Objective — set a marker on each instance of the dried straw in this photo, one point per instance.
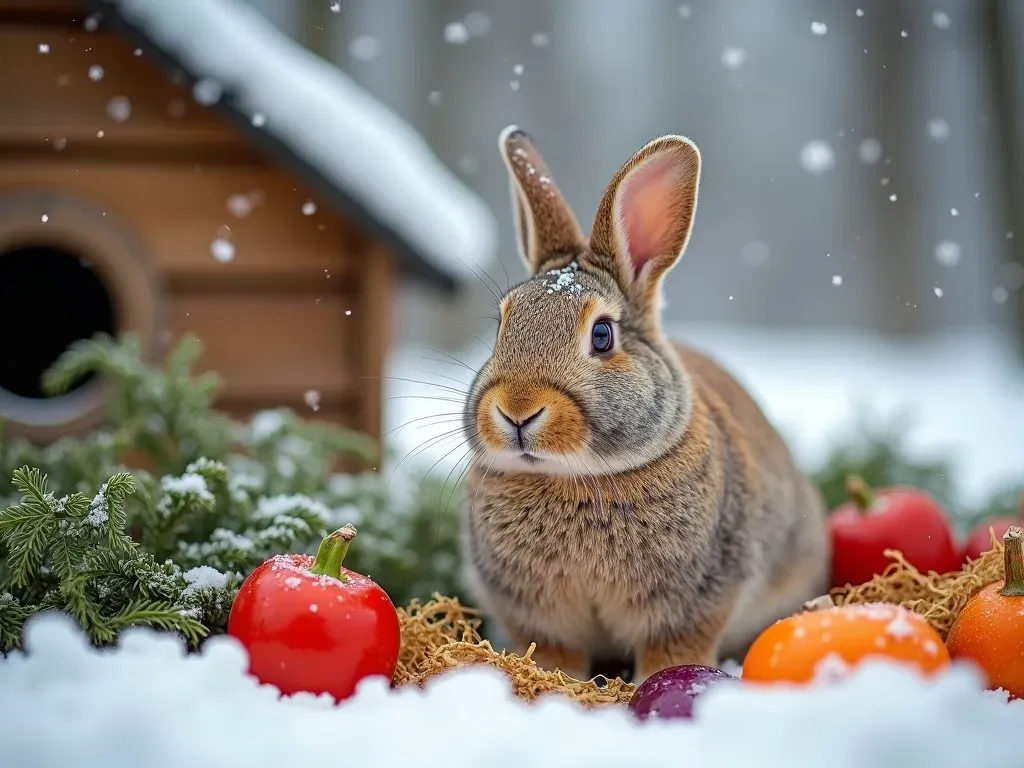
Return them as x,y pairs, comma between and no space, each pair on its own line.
938,598
442,634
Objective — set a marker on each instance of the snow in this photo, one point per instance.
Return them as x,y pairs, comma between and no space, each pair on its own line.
66,704
357,142
870,151
817,157
948,253
733,57
964,391
203,577
99,509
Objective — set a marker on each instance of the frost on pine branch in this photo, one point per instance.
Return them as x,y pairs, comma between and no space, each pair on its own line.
71,553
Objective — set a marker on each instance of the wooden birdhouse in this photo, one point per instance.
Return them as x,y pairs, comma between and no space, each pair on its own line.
182,167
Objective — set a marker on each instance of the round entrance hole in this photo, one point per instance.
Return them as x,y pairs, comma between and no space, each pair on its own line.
49,298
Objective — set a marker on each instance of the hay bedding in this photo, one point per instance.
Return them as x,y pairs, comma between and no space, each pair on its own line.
442,634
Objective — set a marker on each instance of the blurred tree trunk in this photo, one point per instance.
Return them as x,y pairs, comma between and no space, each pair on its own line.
316,18
1004,32
895,278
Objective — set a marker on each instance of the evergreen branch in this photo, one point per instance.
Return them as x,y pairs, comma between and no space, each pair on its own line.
151,613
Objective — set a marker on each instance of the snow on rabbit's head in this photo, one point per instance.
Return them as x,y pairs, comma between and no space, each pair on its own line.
581,378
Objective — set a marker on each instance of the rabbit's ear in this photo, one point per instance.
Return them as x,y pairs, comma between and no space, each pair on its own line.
545,225
646,214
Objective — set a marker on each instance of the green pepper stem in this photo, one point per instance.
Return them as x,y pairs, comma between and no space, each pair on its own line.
860,492
331,553
1013,562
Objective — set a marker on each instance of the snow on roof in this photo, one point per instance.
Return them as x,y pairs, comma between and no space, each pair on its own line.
146,704
353,140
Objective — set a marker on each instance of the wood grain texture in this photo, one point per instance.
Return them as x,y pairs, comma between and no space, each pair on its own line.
178,210
273,348
376,286
60,100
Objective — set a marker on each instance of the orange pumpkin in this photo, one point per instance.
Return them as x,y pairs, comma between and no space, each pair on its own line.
825,643
990,629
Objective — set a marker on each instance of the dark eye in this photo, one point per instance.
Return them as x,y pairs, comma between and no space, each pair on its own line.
601,338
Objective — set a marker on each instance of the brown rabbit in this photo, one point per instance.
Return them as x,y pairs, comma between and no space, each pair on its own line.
627,497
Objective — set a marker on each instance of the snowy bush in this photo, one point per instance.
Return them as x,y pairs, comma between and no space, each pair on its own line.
168,545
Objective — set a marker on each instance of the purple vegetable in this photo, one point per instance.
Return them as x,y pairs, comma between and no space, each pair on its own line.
671,692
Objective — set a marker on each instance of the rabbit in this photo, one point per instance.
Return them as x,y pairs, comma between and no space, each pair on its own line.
626,497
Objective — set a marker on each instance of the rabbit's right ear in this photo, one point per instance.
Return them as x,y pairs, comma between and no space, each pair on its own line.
545,225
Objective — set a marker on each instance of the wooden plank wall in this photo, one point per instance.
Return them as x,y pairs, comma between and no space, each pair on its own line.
289,312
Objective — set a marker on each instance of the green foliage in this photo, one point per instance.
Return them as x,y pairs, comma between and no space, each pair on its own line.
879,454
168,546
72,553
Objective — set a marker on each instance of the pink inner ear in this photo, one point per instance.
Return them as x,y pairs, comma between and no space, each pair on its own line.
648,209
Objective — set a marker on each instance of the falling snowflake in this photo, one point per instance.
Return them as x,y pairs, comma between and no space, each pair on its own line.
44,218
954,212
1000,295
119,109
312,399
819,28
207,92
817,157
940,19
92,22
733,57
514,85
364,48
948,253
860,12
259,119
938,129
903,34
870,151
456,33
43,48
335,6
308,208
239,205
938,291
348,311
517,70
837,279
95,73
59,144
539,40
223,250
892,198
434,98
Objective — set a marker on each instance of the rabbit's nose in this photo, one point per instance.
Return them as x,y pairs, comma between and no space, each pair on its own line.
522,422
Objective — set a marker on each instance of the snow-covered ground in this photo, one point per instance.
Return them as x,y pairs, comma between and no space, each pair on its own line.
147,705
965,392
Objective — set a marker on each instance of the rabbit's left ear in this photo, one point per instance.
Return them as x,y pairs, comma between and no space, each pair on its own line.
644,220
546,227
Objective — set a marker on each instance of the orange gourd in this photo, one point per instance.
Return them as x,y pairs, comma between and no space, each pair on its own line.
990,629
825,643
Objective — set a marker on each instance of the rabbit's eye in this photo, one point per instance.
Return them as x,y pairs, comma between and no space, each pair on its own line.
601,337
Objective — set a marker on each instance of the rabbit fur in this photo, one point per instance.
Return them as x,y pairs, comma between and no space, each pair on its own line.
632,502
